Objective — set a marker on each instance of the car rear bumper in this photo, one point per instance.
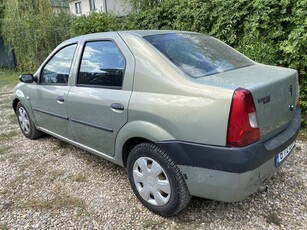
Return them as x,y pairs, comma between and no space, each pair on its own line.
230,174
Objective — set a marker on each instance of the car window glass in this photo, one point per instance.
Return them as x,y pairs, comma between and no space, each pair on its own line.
102,65
198,55
56,71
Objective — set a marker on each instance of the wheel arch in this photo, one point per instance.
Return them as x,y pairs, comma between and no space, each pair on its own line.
129,145
15,103
134,133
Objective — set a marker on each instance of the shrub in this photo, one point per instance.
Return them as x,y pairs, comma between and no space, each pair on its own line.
94,22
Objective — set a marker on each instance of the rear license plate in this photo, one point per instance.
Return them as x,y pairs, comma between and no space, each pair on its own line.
280,157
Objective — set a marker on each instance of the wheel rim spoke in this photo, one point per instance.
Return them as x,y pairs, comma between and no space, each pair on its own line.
164,186
138,177
142,163
24,120
156,169
145,193
159,199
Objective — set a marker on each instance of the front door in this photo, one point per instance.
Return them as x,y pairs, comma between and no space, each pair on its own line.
49,96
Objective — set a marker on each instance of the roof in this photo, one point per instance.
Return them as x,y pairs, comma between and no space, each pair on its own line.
143,33
138,33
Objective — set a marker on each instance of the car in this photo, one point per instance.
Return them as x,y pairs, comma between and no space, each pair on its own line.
186,114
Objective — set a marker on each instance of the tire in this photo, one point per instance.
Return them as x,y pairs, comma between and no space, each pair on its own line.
156,180
26,124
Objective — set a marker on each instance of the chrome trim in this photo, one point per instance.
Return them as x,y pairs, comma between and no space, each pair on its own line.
51,114
92,125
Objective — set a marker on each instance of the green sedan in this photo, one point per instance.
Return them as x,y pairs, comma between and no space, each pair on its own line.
186,114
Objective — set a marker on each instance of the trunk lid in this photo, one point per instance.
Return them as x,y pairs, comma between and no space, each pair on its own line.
275,92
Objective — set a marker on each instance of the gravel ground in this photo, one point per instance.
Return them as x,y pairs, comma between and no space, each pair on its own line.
48,184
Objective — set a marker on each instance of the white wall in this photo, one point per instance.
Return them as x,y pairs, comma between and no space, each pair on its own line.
118,7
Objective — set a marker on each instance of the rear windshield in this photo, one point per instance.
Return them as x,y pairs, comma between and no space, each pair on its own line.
198,55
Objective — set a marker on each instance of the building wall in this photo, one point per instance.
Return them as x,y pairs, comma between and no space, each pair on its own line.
117,7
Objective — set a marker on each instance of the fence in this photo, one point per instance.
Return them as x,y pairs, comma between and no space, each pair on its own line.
7,57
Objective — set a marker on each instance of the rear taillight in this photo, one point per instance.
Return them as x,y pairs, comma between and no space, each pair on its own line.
243,124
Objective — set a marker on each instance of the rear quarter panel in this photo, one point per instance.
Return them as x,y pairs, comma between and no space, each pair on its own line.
186,110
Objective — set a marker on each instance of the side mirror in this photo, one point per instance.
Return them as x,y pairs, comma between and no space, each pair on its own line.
27,78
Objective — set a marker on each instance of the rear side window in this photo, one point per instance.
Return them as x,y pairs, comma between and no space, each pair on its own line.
57,69
102,65
198,55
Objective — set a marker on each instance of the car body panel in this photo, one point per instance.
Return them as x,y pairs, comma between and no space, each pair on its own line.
178,101
49,113
270,88
98,127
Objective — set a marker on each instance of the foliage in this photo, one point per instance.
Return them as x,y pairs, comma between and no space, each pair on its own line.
1,14
138,5
33,28
94,22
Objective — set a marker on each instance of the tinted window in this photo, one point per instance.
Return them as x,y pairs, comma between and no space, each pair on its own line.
56,71
102,65
198,55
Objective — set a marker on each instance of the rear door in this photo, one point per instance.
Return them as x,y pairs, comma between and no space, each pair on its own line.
49,97
98,103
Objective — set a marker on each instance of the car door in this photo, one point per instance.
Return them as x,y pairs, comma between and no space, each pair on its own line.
48,97
98,103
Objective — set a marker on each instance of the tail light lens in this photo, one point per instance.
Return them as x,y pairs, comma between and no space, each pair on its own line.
243,123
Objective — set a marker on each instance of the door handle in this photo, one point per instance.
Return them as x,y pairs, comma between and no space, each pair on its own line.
117,107
60,99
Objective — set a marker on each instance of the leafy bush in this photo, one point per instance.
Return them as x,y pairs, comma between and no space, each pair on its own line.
94,22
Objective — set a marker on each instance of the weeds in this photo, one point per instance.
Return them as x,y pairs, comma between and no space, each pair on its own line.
3,227
8,77
4,150
59,202
8,136
273,218
78,178
56,174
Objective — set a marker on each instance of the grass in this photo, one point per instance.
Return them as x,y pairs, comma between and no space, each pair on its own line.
8,77
56,173
273,218
3,227
61,145
302,134
8,136
4,150
78,178
59,202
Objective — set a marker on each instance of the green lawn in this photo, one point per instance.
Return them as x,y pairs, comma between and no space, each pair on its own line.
8,77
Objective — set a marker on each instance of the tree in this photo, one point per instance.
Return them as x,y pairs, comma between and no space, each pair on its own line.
1,13
138,5
33,29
